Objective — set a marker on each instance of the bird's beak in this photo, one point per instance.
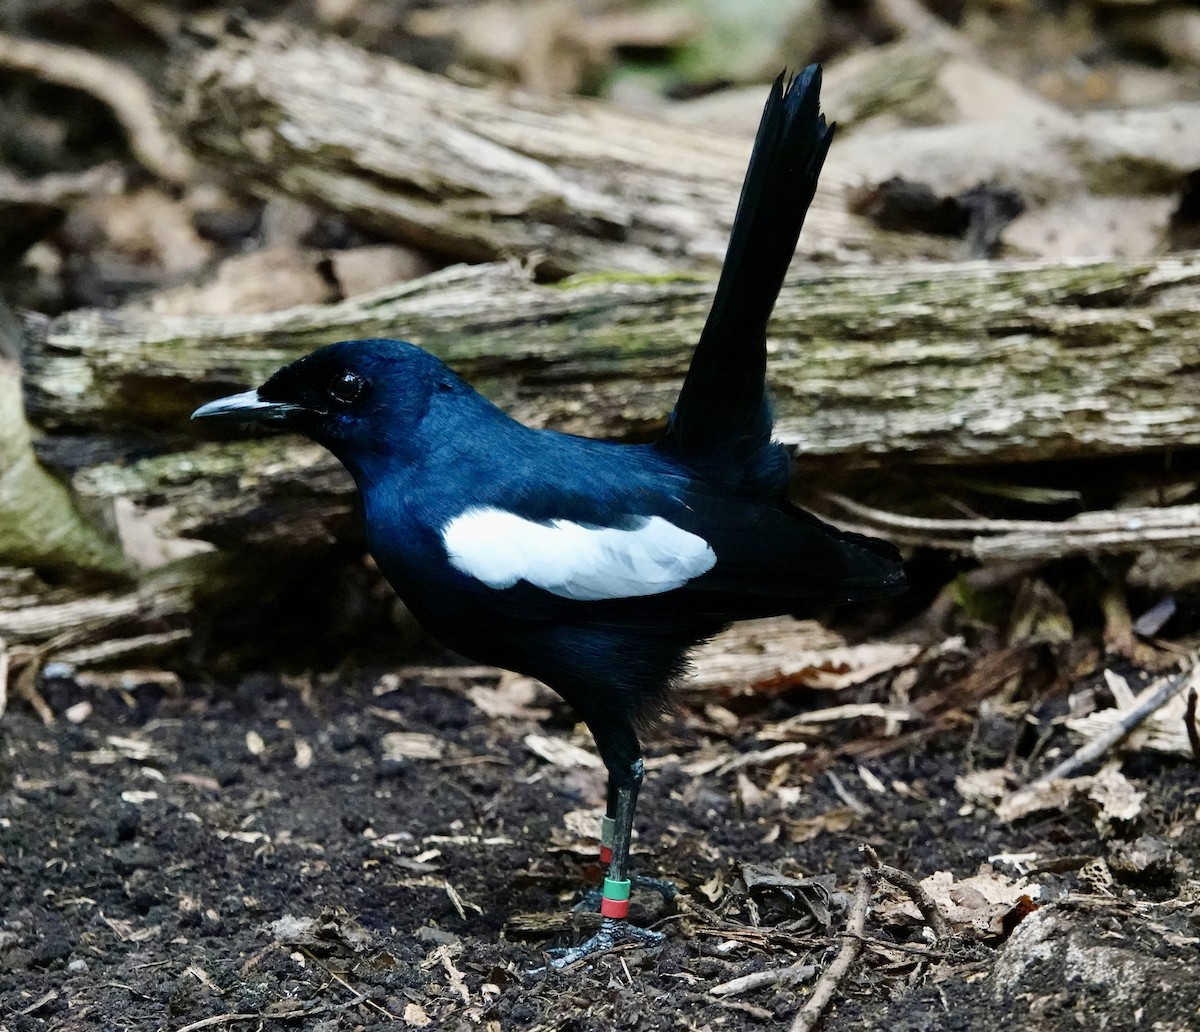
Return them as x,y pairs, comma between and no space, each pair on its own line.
246,407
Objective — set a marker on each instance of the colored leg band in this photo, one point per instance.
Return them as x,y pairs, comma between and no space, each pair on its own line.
618,908
605,854
615,900
614,889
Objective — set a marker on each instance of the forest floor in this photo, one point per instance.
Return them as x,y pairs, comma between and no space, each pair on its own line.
378,852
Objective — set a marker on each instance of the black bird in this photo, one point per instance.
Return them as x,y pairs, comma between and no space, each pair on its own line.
593,566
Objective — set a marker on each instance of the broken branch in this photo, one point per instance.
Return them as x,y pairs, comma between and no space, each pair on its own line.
808,1015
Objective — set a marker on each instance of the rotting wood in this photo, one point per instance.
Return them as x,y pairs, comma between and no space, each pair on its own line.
569,185
938,363
163,595
39,523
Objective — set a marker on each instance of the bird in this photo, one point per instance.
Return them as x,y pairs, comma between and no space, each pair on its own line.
597,566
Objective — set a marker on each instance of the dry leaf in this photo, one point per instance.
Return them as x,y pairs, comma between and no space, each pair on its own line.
760,655
1119,801
415,1016
750,795
984,787
809,828
584,824
1163,731
1047,795
333,926
977,905
714,888
512,698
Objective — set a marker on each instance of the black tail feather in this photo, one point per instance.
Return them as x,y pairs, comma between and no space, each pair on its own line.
723,412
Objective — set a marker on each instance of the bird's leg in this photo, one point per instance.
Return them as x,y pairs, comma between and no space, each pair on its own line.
608,824
614,897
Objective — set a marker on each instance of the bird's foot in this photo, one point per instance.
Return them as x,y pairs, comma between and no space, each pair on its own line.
613,932
590,900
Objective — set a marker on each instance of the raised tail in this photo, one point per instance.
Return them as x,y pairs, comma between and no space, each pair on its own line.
723,412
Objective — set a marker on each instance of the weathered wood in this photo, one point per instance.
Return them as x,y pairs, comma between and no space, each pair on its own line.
569,185
563,184
248,496
39,524
926,363
1174,528
34,612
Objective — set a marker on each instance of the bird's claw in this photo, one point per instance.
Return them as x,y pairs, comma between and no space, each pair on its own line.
590,900
613,933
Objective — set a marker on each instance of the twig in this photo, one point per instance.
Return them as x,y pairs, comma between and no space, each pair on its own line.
758,979
40,1002
25,685
33,657
218,1019
1189,720
121,648
358,997
1098,746
4,676
113,84
1170,526
808,1015
912,889
884,946
740,1006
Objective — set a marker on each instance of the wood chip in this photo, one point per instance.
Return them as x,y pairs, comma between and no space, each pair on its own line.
561,753
760,655
783,751
411,745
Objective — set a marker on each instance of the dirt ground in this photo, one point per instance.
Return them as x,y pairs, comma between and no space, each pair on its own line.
279,854
383,850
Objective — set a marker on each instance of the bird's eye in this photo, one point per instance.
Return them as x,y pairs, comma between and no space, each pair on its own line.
346,387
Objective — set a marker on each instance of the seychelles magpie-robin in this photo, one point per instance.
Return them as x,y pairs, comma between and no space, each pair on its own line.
593,566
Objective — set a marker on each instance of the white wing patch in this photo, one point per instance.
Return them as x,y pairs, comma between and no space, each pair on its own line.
573,560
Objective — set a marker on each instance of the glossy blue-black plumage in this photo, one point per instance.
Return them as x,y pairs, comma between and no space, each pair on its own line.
424,448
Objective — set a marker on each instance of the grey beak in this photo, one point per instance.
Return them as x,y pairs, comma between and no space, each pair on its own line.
246,407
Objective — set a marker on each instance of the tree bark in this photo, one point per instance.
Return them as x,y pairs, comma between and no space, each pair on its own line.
922,363
480,174
568,185
39,523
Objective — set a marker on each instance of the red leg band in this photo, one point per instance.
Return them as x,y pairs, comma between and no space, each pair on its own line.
617,908
605,854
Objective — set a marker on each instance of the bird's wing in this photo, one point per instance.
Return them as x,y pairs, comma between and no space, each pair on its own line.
781,552
736,553
627,557
723,414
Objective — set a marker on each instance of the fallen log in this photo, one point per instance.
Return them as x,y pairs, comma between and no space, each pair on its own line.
568,185
39,523
480,174
968,363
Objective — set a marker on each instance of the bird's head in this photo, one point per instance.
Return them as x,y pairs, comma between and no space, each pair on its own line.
360,398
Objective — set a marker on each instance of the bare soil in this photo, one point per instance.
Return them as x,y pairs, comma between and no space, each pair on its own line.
151,852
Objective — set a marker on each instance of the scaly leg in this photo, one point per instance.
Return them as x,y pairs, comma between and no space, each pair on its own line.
614,898
590,900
